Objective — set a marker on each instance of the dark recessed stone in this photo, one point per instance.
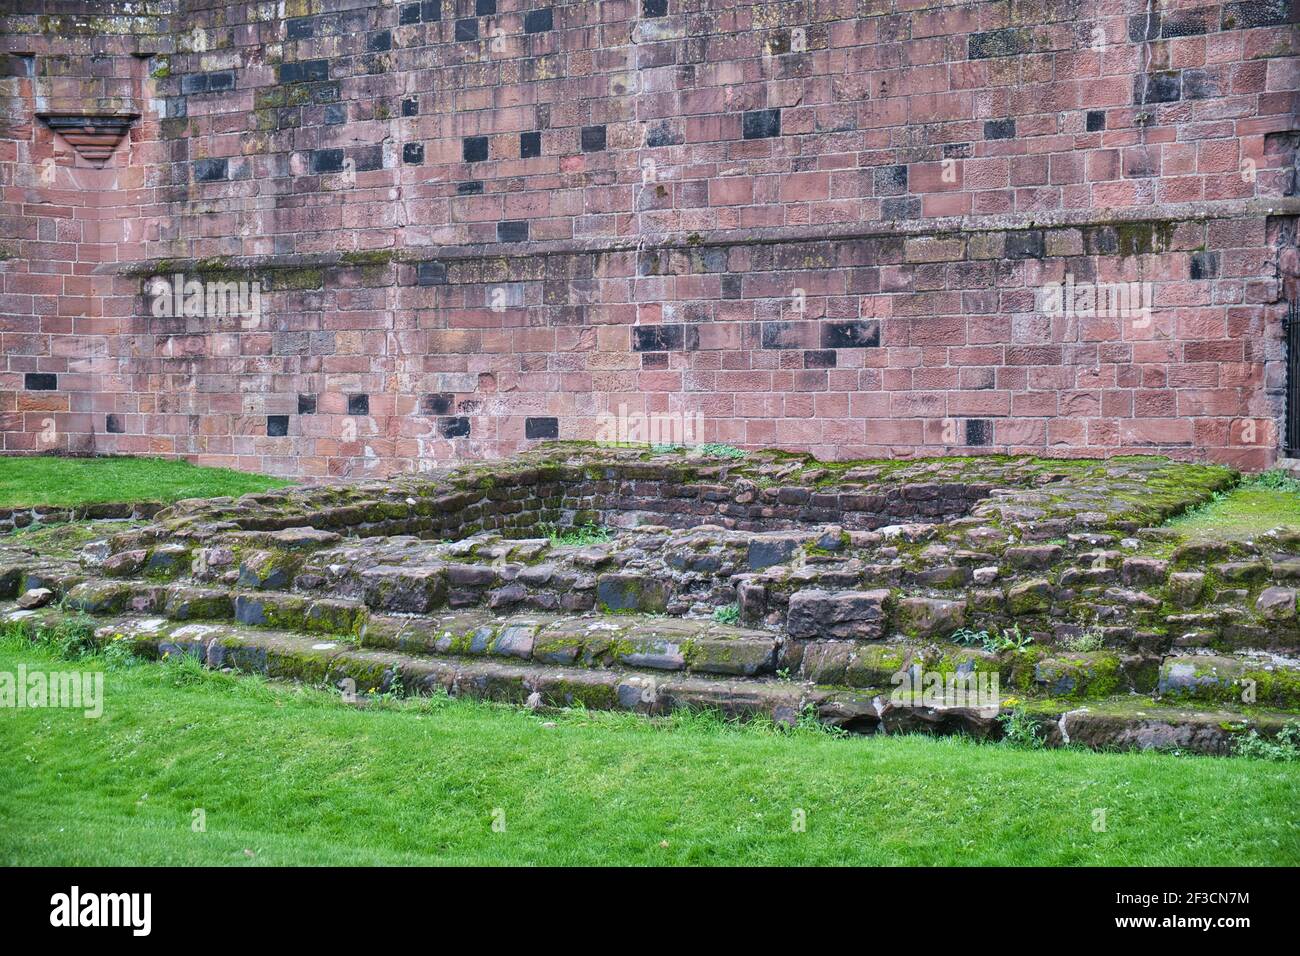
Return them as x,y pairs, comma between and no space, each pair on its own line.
336,113
999,129
654,8
413,153
820,358
992,43
431,11
541,428
901,207
367,158
1095,121
474,149
593,139
40,382
761,124
473,187
663,134
306,404
539,21
431,273
1164,87
298,29
410,106
304,71
1204,265
454,427
113,424
530,144
210,170
380,42
277,426
485,8
466,30
979,431
327,160
409,14
513,230
852,334
358,404
1025,244
1255,13
437,403
657,338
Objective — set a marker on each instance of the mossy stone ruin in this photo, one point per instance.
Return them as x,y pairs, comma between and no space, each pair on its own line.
770,584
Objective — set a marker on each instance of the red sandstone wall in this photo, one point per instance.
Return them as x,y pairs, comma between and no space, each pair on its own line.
816,225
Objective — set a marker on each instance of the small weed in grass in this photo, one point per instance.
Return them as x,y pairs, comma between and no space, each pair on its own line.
1285,747
1019,729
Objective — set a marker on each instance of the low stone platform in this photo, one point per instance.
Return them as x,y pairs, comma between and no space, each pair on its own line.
769,584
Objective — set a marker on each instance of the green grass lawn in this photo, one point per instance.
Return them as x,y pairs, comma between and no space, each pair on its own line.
1259,504
289,775
74,481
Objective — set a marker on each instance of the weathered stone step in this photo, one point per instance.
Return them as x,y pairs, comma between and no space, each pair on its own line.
1128,722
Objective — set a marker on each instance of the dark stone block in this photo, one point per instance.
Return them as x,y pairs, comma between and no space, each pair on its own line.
764,553
901,207
1184,23
431,11
537,428
437,403
853,334
1026,244
413,153
410,106
779,335
299,29
454,427
305,71
515,230
466,30
979,431
1201,85
539,21
473,187
474,148
999,129
431,273
731,286
1143,28
277,426
890,180
761,124
380,42
821,358
40,382
358,404
1204,265
657,338
113,424
1164,87
654,8
409,14
1255,13
663,134
327,161
208,82
1095,121
336,113
657,361
530,144
593,139
485,8
1007,42
210,170
306,404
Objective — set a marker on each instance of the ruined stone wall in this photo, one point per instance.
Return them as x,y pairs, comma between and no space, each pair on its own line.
476,224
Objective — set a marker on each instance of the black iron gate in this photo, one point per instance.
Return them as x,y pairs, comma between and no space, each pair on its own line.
1292,333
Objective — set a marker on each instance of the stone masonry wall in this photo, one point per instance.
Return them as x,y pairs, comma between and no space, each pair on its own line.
476,224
